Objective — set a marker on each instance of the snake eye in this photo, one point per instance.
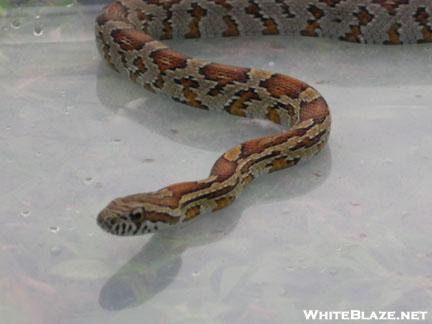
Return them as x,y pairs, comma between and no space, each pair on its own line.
135,215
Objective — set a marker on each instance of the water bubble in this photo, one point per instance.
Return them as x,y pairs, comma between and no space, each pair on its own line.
15,24
25,213
68,109
283,292
117,140
54,229
388,161
38,30
88,180
55,250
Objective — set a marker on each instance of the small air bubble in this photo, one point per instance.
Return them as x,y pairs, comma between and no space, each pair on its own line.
333,272
148,160
37,30
271,63
16,24
322,82
38,154
8,127
68,109
25,213
388,161
88,180
55,250
195,273
405,215
69,5
37,17
283,292
117,140
54,229
174,131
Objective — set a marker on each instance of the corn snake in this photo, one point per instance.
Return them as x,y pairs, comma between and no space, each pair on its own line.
129,34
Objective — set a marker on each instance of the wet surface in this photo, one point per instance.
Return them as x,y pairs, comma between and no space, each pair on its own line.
349,229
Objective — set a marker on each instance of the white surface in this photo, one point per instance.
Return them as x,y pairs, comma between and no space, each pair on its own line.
350,229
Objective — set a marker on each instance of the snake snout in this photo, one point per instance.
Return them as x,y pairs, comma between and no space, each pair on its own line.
107,220
113,223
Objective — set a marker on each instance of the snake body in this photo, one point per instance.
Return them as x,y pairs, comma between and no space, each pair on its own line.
129,34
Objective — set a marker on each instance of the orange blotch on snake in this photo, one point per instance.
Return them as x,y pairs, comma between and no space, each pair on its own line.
130,39
223,169
231,27
223,202
168,59
279,85
273,115
192,213
316,109
233,154
239,105
278,164
224,74
248,179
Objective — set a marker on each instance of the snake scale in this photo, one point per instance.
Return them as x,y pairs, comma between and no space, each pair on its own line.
129,35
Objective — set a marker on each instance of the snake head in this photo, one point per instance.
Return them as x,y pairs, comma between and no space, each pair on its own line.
134,215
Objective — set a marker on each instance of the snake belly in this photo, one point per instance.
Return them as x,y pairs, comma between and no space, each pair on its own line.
129,35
